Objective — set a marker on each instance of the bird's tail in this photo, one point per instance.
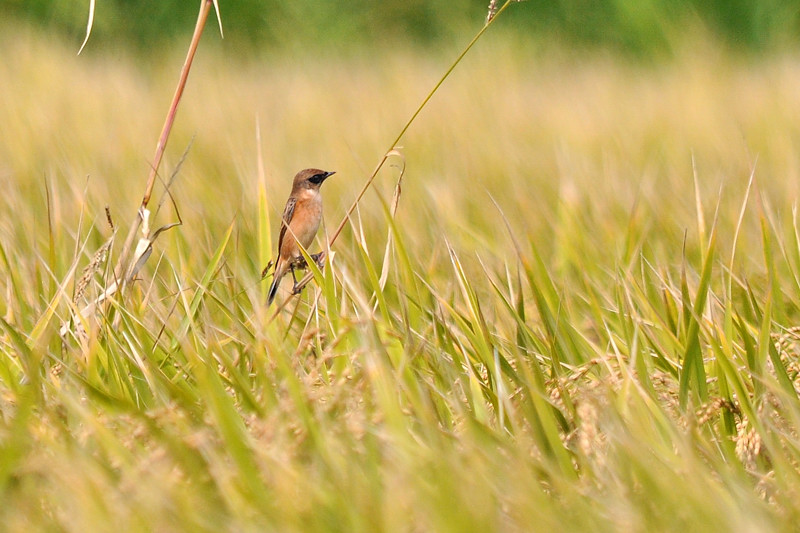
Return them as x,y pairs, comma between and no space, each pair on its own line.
273,290
277,276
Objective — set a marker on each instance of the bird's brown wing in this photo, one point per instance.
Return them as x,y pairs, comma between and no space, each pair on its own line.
288,212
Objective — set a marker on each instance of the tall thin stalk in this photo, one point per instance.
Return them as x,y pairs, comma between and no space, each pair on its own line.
122,261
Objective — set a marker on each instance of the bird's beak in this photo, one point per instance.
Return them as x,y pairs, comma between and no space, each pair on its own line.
329,174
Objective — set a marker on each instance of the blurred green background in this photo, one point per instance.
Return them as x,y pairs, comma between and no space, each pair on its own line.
637,27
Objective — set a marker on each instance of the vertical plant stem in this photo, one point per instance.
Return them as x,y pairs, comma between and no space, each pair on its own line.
205,7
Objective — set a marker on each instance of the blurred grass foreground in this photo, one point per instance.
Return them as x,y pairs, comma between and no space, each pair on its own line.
583,315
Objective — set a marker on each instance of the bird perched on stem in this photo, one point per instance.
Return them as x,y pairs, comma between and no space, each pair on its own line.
299,224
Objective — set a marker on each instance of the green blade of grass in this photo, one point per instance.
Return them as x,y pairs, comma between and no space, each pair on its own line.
693,366
205,282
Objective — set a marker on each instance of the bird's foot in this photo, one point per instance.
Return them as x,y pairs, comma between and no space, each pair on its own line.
301,263
319,259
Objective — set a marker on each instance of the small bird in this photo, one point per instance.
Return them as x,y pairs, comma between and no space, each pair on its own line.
302,215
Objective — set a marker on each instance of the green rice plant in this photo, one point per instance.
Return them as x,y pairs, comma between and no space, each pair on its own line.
547,329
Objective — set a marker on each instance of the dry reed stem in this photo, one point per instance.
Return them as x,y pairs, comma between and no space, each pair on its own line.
125,270
162,141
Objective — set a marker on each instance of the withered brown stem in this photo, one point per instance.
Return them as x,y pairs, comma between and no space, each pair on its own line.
122,262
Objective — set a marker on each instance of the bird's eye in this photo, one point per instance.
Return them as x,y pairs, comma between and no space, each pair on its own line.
316,179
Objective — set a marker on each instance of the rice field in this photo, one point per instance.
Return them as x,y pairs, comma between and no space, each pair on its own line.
578,312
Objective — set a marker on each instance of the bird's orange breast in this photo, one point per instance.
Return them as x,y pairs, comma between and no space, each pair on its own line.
303,226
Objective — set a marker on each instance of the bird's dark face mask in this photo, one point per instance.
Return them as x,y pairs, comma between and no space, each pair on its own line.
317,179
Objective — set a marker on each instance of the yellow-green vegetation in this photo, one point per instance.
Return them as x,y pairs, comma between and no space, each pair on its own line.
586,319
